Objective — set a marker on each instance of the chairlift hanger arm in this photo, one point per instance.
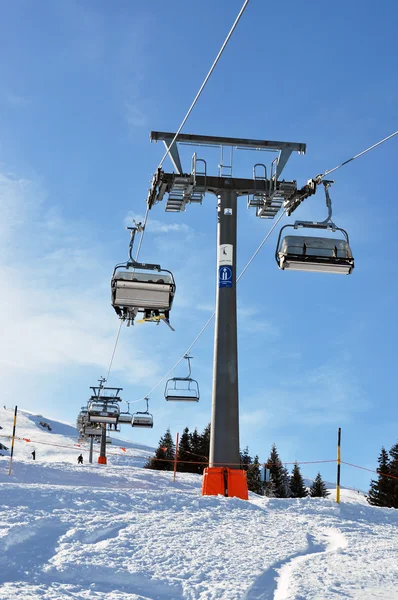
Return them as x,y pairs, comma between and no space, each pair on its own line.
132,262
309,189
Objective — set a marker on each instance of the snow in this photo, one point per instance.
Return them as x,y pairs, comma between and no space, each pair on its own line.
122,532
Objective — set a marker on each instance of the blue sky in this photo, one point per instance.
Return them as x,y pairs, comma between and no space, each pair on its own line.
81,86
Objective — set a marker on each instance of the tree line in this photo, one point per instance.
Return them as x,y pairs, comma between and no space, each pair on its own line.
384,490
193,453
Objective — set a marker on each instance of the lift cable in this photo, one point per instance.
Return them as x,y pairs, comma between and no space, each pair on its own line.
142,234
164,158
205,326
358,155
205,81
114,350
121,322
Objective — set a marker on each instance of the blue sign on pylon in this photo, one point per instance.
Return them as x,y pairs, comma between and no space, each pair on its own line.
225,276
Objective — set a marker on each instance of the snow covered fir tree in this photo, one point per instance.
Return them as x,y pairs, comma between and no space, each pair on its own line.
193,457
384,490
297,485
318,488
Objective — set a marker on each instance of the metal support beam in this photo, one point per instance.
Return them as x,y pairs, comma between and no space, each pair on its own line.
90,456
224,439
213,140
173,152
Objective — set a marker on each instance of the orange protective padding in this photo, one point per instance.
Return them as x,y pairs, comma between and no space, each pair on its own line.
213,481
237,484
102,460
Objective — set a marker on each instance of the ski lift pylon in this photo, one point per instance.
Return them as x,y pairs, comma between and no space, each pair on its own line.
182,389
319,254
135,288
142,418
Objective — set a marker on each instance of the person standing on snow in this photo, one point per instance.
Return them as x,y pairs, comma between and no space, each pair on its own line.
80,459
34,454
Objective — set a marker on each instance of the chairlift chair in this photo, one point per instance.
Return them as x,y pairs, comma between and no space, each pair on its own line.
103,412
124,418
318,254
135,288
182,389
142,418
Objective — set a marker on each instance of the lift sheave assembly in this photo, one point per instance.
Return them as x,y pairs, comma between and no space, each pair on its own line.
135,288
319,254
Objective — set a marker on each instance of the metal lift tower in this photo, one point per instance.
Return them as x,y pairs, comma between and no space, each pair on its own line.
268,194
103,397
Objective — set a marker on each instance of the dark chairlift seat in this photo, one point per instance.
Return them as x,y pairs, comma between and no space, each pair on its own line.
304,253
124,418
182,389
319,254
143,418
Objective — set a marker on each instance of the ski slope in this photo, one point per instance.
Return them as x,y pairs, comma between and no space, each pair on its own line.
122,532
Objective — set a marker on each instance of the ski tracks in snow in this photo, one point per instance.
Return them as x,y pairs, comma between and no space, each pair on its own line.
277,581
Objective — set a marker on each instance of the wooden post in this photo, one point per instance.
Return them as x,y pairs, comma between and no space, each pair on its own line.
12,440
338,465
176,457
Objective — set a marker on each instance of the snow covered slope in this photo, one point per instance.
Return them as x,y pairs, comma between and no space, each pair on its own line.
122,532
61,444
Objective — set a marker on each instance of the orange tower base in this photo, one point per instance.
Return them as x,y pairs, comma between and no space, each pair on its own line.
102,460
225,481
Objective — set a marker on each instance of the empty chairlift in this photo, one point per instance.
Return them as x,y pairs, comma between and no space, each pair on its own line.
135,288
321,254
124,418
182,389
143,418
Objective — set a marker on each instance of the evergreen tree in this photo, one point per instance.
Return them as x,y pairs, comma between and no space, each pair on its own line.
184,452
204,448
393,481
318,488
196,446
254,483
278,474
164,455
245,459
297,486
381,491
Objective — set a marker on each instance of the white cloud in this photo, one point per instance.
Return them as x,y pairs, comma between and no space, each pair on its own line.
327,394
55,311
14,100
156,226
134,116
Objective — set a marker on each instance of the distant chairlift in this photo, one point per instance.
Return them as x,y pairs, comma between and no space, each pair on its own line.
125,418
142,419
321,254
182,389
136,289
103,411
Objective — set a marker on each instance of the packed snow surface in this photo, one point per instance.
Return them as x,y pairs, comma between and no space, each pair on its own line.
121,532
